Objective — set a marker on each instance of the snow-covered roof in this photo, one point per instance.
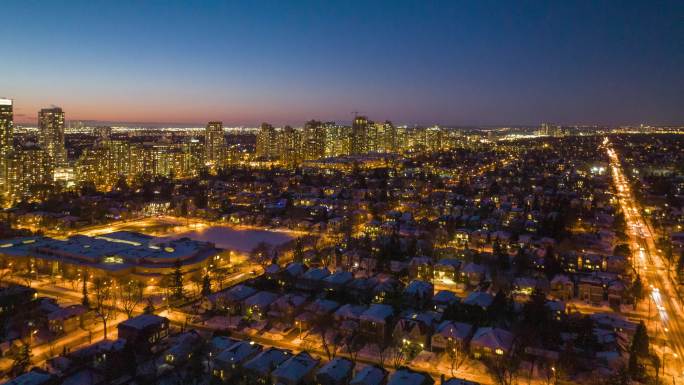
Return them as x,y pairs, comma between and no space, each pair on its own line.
479,298
406,377
455,330
34,377
377,312
267,359
449,262
349,311
474,269
295,269
338,369
492,338
238,353
421,288
316,274
295,369
143,321
236,293
322,306
339,278
445,297
261,299
370,375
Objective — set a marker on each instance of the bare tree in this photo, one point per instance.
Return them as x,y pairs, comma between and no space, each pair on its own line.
130,296
103,301
397,355
457,356
503,369
261,253
330,341
382,353
353,345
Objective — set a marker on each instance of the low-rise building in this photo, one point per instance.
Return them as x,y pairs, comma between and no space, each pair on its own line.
297,370
229,362
338,371
144,331
489,341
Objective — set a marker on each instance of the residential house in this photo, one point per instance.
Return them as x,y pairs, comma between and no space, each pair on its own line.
66,319
230,300
183,347
473,274
256,306
386,286
361,288
415,329
337,280
410,377
297,370
347,318
489,341
443,299
316,310
286,307
370,375
229,362
418,294
144,331
562,287
447,270
34,377
591,290
479,299
374,322
258,369
339,371
312,279
450,333
420,268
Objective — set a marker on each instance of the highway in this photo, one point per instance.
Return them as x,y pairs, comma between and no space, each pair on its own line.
666,306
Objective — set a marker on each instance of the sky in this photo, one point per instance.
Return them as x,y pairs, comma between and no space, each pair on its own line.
452,62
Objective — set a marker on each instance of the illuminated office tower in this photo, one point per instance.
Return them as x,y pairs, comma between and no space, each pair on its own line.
359,139
95,166
382,137
214,144
372,137
104,164
267,142
401,139
433,139
6,138
29,174
547,129
290,146
337,139
51,134
388,141
313,140
167,160
194,158
415,139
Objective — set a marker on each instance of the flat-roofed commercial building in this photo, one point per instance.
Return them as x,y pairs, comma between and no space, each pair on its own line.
114,255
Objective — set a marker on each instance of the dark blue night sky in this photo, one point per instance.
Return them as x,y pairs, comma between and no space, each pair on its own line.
418,62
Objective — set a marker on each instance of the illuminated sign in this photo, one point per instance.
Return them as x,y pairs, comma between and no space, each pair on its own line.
5,102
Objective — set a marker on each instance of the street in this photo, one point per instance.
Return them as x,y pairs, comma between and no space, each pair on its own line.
665,321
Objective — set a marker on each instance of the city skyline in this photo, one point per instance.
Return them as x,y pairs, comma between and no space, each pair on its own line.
454,64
